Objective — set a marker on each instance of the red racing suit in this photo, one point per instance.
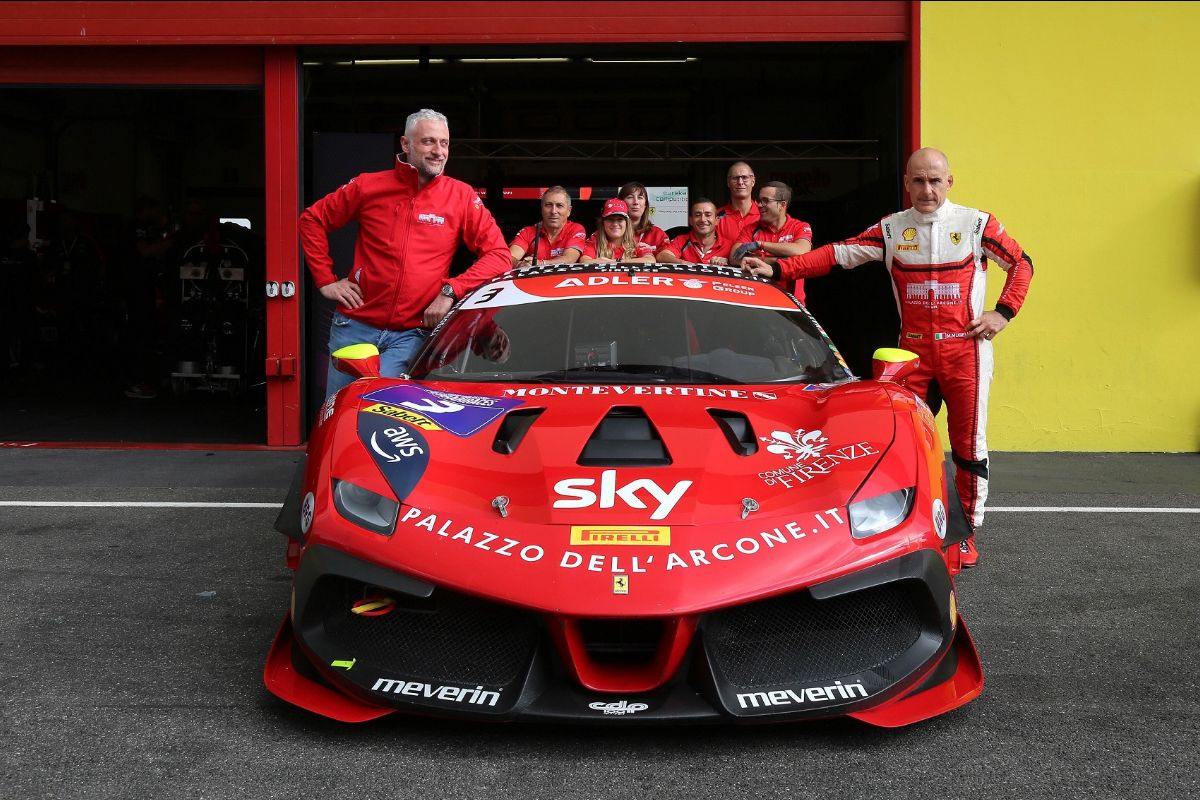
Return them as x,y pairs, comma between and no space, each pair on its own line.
407,238
938,266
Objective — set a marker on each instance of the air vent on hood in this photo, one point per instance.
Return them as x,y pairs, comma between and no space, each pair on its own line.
513,429
625,438
737,431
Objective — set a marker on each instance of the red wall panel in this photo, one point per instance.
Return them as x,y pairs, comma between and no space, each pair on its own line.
177,66
267,23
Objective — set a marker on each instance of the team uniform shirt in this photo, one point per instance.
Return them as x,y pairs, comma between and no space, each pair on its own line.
938,265
687,247
655,236
730,221
407,238
792,230
640,249
570,235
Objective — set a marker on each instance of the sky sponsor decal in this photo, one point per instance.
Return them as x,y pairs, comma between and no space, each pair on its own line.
400,451
809,695
461,414
811,456
577,493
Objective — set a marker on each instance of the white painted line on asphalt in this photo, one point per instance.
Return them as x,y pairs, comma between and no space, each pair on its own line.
1095,509
92,504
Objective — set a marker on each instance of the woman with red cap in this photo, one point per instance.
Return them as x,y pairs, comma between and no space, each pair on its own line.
614,239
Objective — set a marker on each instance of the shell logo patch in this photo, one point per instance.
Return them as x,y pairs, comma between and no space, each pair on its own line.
909,234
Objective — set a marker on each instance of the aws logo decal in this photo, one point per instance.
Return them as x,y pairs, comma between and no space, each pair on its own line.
400,450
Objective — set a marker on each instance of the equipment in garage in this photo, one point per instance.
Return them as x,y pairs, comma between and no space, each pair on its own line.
214,333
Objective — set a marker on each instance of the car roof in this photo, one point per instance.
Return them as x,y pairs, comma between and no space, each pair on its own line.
704,282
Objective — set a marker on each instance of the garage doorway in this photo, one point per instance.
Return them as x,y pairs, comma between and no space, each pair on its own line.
133,264
825,118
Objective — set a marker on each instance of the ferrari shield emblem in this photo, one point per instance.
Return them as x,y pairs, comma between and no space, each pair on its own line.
620,584
955,237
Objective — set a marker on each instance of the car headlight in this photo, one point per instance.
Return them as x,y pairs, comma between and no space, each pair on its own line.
881,513
364,507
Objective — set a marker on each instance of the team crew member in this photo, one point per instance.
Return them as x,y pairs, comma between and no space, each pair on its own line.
614,241
741,210
703,243
558,239
644,231
936,253
775,234
411,220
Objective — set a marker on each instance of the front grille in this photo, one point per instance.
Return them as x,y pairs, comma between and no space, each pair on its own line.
448,637
794,638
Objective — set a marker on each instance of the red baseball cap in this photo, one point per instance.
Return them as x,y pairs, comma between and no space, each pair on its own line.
615,208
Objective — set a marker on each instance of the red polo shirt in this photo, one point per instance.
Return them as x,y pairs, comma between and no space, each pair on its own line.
687,247
793,230
571,235
730,222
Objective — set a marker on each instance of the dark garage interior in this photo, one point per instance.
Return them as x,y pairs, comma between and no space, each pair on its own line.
824,118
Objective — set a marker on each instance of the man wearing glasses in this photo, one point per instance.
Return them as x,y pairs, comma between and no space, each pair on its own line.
740,210
774,235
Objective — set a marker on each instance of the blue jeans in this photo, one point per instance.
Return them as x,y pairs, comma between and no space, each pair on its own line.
396,348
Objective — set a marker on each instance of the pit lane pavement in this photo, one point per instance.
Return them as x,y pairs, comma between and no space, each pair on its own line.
132,640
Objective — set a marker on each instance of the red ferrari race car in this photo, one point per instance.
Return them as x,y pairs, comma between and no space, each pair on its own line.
647,493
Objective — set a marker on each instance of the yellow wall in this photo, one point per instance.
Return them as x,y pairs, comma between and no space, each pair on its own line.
1078,126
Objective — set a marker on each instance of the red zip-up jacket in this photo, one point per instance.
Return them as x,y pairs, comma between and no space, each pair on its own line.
407,238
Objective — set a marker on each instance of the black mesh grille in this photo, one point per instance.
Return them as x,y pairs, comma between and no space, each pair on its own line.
448,637
621,641
796,639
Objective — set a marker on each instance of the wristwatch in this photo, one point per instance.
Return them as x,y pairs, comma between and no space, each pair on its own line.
448,291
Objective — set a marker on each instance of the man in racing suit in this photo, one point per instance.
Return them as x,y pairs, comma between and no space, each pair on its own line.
411,220
936,253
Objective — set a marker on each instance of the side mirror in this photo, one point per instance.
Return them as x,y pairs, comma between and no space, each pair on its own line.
893,364
359,360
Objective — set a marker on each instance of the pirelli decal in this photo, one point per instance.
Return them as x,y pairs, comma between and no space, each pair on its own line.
404,415
659,535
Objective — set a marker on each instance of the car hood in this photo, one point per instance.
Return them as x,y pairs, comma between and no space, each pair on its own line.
527,492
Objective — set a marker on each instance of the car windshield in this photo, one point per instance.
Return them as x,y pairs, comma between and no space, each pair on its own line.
649,339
